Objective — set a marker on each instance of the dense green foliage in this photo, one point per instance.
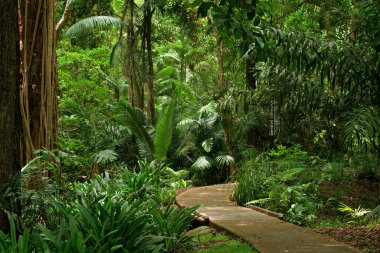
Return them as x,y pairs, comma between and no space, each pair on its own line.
131,213
290,181
281,96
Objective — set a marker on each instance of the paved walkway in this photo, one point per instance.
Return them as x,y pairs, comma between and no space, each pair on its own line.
266,233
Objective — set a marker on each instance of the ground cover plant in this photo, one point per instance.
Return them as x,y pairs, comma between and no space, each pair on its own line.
131,213
108,107
218,243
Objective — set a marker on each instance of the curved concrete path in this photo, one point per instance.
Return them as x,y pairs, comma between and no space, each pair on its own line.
266,233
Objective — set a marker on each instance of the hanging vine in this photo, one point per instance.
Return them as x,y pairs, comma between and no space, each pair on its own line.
38,95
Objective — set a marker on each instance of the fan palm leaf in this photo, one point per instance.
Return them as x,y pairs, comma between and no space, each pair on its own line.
202,163
224,160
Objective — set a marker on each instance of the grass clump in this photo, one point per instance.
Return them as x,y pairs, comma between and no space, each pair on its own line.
221,243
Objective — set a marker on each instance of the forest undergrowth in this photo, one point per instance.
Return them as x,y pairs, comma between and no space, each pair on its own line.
123,102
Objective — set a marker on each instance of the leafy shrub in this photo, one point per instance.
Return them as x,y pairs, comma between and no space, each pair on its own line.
123,214
280,180
172,223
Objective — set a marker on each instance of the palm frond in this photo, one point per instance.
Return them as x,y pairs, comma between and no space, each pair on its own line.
208,109
224,160
164,131
173,55
87,25
120,84
202,163
362,126
105,156
209,121
116,52
185,122
208,144
185,147
135,123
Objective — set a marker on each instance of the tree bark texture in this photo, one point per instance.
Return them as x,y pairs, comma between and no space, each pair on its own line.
10,120
39,86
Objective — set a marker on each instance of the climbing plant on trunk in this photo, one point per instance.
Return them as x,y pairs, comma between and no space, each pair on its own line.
39,85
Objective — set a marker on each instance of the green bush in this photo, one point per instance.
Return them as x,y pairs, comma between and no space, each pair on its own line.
281,180
125,214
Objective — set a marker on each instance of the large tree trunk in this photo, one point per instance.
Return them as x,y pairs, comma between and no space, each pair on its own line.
149,88
10,120
39,86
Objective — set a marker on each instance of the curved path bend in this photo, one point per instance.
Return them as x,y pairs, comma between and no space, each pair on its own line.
266,233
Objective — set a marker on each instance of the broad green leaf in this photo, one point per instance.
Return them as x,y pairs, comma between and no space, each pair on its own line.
164,131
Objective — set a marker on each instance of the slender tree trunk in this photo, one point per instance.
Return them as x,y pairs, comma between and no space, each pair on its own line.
64,19
135,93
10,120
149,88
249,73
39,86
222,76
226,117
250,81
352,28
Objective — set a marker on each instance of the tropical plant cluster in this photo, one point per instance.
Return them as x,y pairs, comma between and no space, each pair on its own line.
280,96
133,212
289,181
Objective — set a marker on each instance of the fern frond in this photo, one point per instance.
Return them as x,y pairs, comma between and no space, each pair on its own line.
289,174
